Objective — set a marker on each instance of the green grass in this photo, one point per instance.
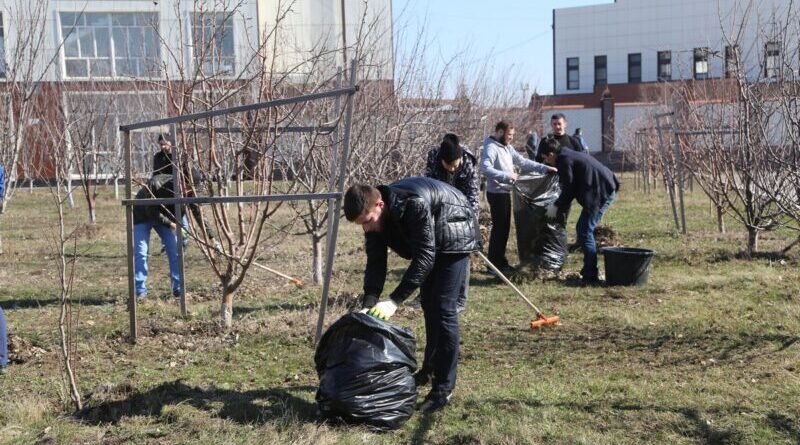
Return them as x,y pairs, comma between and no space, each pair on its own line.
707,352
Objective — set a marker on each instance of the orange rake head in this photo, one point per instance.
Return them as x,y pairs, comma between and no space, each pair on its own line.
542,321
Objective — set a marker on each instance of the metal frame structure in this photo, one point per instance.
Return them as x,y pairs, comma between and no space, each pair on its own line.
334,196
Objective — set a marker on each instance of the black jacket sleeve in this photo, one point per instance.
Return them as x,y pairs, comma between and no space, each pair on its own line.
375,272
418,221
567,180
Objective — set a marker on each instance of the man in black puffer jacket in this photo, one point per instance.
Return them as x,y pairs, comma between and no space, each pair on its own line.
431,224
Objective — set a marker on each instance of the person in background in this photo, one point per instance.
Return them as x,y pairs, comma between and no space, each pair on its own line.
531,144
579,136
454,164
431,224
162,160
162,220
558,125
498,160
593,185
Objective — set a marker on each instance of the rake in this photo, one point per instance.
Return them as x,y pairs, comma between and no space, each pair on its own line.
541,320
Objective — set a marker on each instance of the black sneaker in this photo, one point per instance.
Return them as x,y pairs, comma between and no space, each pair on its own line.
422,378
435,401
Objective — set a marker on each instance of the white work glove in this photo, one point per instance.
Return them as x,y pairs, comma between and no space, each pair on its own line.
383,310
552,211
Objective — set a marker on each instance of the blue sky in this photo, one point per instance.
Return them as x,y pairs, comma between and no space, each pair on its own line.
513,34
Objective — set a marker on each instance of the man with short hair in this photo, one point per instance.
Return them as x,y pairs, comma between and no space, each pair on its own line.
430,223
558,124
498,160
454,164
593,185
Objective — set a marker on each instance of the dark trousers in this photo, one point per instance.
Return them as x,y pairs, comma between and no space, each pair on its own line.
3,340
587,223
500,209
438,296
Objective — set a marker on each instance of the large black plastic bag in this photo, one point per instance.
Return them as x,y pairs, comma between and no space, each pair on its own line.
366,372
540,242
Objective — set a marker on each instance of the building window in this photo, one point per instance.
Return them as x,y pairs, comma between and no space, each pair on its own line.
213,45
110,45
700,63
573,73
772,53
2,50
634,68
733,57
664,65
96,117
600,70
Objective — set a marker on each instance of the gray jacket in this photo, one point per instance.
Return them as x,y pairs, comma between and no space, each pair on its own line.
497,164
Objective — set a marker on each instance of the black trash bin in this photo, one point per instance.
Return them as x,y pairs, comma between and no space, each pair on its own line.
627,266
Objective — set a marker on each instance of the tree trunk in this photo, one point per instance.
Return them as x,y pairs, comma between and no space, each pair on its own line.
226,310
316,258
92,214
721,219
752,241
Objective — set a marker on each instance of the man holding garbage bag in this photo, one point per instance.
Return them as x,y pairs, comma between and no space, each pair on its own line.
593,185
431,224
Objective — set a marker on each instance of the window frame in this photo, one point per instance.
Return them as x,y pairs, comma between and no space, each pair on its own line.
604,66
772,53
636,64
576,83
700,58
228,22
664,65
66,30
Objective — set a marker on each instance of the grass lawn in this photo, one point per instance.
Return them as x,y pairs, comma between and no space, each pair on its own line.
706,352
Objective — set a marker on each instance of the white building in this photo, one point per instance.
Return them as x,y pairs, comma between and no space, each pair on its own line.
618,48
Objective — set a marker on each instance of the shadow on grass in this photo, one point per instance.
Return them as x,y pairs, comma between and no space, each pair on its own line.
421,431
695,425
36,303
784,424
247,407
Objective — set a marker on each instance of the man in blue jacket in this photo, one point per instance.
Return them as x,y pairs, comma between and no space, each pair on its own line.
431,224
498,160
593,185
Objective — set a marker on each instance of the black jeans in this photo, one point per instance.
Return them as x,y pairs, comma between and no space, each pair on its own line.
438,296
500,209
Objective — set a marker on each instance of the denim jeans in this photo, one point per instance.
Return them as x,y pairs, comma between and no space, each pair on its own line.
438,295
587,223
141,247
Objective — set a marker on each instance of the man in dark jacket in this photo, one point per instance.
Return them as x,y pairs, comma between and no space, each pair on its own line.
431,224
454,164
558,125
593,185
162,220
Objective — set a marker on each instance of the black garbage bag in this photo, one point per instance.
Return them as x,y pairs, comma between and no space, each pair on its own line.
540,242
366,372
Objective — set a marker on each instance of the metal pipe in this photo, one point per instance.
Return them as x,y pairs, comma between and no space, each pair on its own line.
126,143
229,199
240,109
333,223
